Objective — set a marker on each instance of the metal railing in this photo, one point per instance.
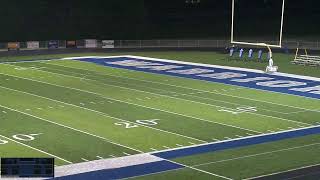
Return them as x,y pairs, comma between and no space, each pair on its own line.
290,44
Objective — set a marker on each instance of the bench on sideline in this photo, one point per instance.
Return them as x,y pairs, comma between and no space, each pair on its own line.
307,60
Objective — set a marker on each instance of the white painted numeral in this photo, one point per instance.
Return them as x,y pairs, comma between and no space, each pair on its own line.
151,122
126,125
25,137
2,142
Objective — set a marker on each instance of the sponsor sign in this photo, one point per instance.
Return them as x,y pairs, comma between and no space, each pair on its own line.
33,45
91,43
71,44
107,43
53,44
13,46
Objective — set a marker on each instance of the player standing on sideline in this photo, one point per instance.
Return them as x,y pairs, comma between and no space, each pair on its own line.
241,53
250,54
260,55
231,51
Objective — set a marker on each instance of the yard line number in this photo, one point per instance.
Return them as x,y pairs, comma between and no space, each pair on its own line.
128,125
21,137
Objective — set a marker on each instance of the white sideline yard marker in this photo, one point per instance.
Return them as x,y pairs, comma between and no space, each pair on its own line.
166,147
36,149
215,139
99,157
227,138
84,132
111,155
239,136
250,134
184,87
104,114
179,145
192,143
153,149
85,159
126,153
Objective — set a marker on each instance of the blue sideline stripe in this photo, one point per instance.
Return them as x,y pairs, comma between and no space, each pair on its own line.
237,143
310,83
125,172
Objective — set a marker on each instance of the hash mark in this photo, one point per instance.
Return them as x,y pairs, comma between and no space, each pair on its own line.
85,159
153,149
99,157
166,147
179,145
126,153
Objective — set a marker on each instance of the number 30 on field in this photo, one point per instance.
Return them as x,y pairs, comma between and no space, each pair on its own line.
128,125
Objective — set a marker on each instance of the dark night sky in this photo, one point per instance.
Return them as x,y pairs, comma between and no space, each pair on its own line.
152,19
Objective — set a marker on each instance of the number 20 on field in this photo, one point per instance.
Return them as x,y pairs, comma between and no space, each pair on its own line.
128,125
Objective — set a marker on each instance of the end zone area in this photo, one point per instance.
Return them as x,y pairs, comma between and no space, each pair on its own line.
91,108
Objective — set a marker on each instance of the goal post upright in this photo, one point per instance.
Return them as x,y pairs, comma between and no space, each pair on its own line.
269,46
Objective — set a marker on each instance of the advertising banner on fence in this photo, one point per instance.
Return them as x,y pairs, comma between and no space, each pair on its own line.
71,44
91,43
53,44
107,43
33,45
13,46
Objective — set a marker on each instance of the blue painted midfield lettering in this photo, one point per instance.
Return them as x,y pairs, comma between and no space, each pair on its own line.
275,83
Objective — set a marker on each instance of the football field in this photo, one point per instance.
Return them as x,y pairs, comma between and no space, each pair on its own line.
79,111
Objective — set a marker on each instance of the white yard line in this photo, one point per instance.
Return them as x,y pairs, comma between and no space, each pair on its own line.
212,105
254,155
103,96
105,115
36,149
184,87
78,130
303,167
200,170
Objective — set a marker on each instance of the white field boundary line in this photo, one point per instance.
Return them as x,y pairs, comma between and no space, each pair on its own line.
103,96
236,139
184,87
257,154
303,167
103,114
36,149
31,61
212,105
230,68
74,129
190,94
